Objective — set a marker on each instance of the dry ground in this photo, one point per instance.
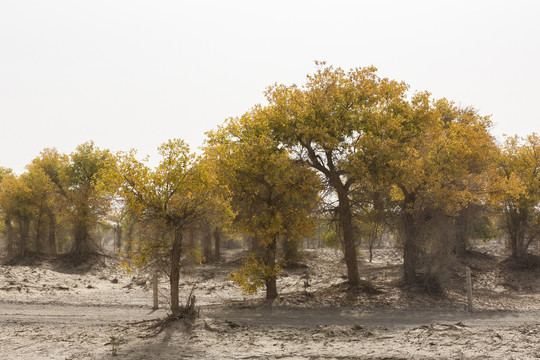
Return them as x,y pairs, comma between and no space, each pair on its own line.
51,309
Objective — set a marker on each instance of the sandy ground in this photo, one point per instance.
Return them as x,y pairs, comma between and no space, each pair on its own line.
50,309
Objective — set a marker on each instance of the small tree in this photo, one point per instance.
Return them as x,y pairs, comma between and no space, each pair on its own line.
371,214
170,198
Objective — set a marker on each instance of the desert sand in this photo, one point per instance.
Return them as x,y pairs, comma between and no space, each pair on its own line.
52,309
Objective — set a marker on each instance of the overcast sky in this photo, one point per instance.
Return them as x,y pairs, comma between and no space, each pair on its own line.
132,74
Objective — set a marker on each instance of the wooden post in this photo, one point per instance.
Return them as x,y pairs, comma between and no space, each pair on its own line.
469,290
155,291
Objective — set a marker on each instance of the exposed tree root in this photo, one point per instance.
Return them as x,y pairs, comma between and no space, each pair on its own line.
188,312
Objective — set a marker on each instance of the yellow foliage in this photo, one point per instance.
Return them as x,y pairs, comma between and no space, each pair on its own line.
253,273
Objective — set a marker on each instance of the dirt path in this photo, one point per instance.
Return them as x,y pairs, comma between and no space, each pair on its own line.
70,313
275,317
69,331
396,319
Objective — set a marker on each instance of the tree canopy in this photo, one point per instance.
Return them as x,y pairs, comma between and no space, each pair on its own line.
348,146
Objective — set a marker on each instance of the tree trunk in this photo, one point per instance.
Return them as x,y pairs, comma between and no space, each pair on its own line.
176,254
217,242
516,223
349,243
37,243
410,253
207,242
24,230
52,233
271,280
516,242
80,244
155,280
410,246
9,237
271,288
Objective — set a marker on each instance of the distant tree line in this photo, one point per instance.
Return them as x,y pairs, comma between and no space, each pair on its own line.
349,154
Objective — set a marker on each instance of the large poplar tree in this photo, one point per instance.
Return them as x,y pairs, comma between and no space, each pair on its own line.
320,123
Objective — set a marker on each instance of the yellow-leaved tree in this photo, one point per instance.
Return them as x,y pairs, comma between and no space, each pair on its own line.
435,159
320,125
15,201
273,196
519,169
81,181
171,197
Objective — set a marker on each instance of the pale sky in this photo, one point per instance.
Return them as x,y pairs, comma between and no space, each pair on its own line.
132,74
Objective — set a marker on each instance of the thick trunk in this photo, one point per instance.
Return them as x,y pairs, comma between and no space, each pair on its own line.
271,288
271,279
410,253
349,241
410,246
217,242
176,254
516,241
516,223
81,230
80,245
